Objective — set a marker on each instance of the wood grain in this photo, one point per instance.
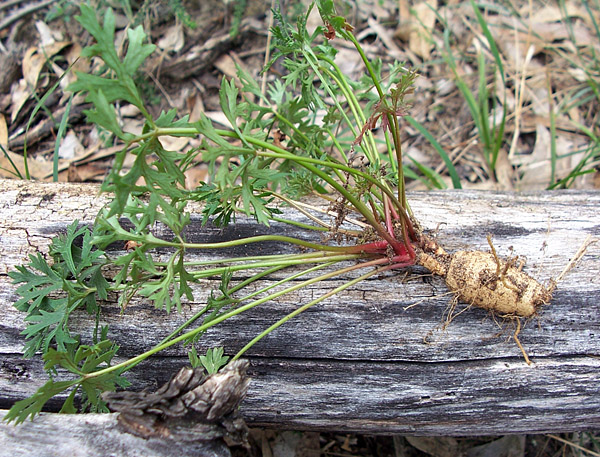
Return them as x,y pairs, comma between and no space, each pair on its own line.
358,361
92,435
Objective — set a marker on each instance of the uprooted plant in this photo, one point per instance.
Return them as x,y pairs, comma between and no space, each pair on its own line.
274,153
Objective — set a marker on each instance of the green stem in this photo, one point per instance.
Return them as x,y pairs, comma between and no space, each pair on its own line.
299,224
231,291
392,121
398,148
243,241
350,36
349,96
313,61
231,260
308,162
287,262
337,144
312,303
340,79
278,153
135,360
302,135
282,281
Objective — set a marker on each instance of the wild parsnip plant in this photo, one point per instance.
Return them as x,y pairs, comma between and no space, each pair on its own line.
316,159
251,174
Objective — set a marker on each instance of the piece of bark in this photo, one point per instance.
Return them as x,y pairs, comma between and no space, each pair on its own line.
190,407
358,361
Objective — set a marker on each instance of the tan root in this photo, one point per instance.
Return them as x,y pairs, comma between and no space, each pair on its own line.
484,280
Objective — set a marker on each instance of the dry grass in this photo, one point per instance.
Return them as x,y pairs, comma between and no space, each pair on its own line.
508,98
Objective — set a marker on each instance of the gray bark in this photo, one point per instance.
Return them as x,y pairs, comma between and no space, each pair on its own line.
92,435
359,361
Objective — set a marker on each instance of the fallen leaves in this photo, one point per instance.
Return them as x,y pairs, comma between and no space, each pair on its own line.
547,51
418,33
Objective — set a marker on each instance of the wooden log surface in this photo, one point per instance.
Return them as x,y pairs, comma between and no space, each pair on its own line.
358,361
92,435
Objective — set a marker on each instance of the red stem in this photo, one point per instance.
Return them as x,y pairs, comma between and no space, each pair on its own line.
404,252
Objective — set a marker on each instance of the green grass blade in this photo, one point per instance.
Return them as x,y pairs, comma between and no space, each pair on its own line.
490,39
432,176
440,150
39,105
16,171
592,155
59,136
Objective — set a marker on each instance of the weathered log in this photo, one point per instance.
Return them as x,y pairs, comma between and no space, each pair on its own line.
358,361
92,435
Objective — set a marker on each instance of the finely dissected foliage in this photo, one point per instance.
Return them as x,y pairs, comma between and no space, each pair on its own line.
251,174
75,271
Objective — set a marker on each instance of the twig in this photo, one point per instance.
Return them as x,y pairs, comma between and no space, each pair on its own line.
8,3
316,220
576,446
332,213
24,12
578,255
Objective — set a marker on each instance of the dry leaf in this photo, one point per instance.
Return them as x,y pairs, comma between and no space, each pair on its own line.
73,56
226,65
70,146
83,173
174,143
173,39
37,168
404,20
579,74
3,133
552,13
72,174
133,125
195,175
437,446
539,101
129,110
349,62
418,29
195,107
218,117
504,171
19,96
47,36
33,62
536,168
507,446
